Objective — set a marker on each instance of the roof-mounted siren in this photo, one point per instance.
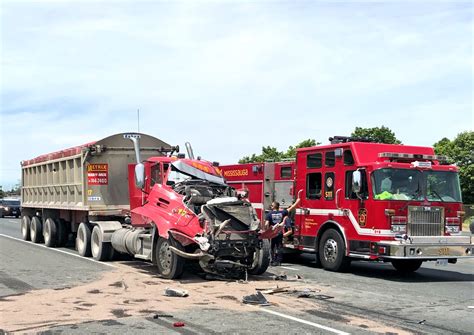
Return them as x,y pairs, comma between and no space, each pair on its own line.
189,149
396,156
345,139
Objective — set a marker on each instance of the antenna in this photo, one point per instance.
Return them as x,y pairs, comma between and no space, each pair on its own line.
138,120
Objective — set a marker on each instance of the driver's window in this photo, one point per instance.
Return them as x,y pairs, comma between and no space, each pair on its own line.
156,177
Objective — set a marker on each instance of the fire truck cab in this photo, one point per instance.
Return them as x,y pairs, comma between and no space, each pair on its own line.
373,201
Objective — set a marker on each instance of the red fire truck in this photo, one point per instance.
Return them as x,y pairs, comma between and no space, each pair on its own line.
363,200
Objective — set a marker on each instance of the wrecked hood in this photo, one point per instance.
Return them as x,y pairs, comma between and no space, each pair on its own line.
199,170
238,215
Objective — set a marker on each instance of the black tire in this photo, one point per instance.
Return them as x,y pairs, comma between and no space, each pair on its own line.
36,230
83,240
25,227
170,265
50,233
63,232
101,251
261,259
332,251
406,265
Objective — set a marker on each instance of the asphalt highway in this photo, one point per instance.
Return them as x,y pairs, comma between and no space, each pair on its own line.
435,300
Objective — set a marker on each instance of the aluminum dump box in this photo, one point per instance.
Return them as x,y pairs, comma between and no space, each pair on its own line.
92,177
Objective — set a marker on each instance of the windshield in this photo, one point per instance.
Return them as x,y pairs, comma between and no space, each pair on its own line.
11,202
407,184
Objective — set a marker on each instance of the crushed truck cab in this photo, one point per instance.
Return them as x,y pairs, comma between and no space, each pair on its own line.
129,194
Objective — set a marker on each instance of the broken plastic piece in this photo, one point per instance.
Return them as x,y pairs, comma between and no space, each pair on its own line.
156,316
172,292
178,324
256,299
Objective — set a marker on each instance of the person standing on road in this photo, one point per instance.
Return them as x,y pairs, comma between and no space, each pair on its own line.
276,219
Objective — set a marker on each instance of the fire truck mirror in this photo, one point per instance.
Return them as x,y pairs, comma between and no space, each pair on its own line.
139,175
356,181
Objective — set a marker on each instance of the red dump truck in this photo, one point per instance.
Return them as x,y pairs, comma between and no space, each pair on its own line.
130,193
366,201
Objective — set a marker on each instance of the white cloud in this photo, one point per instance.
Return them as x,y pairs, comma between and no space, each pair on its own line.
230,77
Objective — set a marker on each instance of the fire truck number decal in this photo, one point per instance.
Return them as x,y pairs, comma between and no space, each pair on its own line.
443,251
98,174
362,217
236,173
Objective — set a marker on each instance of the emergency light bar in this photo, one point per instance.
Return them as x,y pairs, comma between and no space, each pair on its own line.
412,156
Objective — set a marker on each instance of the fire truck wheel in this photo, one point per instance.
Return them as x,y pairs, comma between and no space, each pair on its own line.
169,264
406,265
62,232
25,227
332,251
36,230
101,251
83,240
261,259
50,233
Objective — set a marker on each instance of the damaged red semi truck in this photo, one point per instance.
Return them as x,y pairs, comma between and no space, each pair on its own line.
364,201
128,193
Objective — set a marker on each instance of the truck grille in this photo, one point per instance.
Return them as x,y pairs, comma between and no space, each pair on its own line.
425,221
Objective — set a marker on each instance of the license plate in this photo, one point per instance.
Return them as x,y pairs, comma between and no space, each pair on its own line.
441,262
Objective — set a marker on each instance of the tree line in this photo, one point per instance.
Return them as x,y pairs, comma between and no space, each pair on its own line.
460,151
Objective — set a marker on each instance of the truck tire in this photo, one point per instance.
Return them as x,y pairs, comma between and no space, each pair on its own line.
101,251
406,265
261,259
50,233
170,265
63,233
83,240
332,251
25,227
36,230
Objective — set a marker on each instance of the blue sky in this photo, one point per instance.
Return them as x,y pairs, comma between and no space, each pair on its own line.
230,76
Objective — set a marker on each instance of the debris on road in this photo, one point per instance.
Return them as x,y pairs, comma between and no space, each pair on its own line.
178,324
172,292
156,316
256,299
284,277
274,290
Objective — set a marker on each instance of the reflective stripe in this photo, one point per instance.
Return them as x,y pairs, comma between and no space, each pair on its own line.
338,212
257,205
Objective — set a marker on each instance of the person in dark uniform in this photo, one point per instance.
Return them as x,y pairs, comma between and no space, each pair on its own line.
276,219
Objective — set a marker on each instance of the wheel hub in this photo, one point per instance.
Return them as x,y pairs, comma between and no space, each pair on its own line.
330,250
165,256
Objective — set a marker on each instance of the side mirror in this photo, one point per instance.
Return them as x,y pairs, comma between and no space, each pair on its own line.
140,175
356,181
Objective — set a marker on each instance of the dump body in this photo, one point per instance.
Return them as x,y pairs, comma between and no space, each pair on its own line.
91,178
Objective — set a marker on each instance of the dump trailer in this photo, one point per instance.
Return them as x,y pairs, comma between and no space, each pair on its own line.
128,193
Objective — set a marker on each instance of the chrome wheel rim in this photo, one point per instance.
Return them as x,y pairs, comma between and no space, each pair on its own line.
165,257
330,250
95,244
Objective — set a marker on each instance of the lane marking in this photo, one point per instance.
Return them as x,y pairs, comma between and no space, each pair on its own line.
58,250
288,268
470,307
309,323
13,221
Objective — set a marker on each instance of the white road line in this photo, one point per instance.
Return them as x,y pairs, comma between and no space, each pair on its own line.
60,251
309,323
470,307
13,221
288,268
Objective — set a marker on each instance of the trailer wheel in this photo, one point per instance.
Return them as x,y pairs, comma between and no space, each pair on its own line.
101,251
332,251
169,264
62,233
406,265
261,259
36,230
25,227
83,240
50,233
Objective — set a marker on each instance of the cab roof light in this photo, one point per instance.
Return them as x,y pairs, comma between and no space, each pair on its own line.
397,155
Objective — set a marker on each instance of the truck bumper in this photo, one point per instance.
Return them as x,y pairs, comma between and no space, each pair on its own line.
429,247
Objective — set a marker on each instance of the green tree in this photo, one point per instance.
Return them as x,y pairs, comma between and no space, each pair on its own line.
460,151
376,134
272,154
